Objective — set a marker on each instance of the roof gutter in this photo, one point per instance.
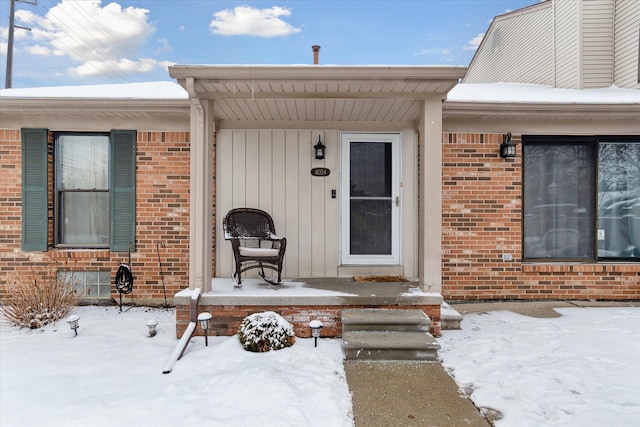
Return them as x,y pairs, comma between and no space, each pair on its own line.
574,111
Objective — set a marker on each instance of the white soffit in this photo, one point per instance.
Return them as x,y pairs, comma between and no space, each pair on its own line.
260,95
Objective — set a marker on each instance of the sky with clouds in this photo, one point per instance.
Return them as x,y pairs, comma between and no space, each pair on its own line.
72,42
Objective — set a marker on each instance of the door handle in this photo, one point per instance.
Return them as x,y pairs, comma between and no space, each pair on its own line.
397,200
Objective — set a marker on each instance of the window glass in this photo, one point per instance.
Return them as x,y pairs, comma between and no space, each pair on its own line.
84,218
618,200
370,169
558,201
84,161
88,284
82,190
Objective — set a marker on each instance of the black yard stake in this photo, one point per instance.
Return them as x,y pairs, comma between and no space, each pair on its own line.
164,289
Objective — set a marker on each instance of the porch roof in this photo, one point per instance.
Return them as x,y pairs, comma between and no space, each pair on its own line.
305,96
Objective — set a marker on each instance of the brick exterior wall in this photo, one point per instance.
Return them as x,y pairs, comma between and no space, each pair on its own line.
162,217
482,219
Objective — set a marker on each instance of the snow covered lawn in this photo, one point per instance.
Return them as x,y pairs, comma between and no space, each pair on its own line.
580,369
111,375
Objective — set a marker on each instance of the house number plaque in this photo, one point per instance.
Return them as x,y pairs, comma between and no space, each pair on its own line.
320,171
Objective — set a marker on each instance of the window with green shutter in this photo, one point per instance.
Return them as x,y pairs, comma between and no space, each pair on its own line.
34,190
123,190
94,189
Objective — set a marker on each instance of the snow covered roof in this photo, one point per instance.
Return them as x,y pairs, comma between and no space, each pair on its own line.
463,92
262,95
530,93
148,90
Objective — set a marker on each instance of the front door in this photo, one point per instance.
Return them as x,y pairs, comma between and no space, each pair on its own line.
371,199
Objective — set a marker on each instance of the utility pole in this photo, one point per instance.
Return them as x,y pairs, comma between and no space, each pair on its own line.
12,27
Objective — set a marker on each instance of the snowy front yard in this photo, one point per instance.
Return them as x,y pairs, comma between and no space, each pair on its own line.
111,375
581,369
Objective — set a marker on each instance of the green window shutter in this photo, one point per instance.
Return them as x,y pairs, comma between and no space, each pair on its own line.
34,190
122,177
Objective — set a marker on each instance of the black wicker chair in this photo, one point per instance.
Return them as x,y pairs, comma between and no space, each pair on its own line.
254,242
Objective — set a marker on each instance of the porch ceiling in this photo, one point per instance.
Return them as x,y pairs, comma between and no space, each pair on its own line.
247,96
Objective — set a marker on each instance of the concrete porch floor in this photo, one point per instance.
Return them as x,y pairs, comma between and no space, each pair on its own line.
302,300
314,291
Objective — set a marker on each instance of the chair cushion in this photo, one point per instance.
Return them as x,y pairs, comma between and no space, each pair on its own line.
258,252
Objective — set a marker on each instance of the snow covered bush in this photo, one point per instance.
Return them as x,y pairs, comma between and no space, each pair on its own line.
265,331
41,298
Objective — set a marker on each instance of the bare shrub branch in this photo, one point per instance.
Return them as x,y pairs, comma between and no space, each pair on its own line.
41,297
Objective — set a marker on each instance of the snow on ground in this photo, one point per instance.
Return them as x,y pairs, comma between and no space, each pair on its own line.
580,369
111,375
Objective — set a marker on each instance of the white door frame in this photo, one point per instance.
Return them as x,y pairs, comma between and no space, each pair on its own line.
396,200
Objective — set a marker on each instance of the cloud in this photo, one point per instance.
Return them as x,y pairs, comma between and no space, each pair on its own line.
433,51
249,21
165,46
100,40
40,50
474,42
115,67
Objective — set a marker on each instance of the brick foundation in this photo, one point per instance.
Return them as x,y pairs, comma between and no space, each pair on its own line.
227,319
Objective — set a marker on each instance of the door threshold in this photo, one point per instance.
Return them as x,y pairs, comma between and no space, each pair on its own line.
370,270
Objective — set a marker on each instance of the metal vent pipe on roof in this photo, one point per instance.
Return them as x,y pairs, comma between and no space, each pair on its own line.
316,52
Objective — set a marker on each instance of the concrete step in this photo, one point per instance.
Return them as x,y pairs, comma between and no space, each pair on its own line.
449,318
390,345
387,334
379,319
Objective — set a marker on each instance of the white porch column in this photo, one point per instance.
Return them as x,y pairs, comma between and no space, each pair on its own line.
430,197
201,197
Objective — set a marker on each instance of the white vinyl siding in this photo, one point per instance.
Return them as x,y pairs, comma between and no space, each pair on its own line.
271,170
597,43
567,44
517,48
627,41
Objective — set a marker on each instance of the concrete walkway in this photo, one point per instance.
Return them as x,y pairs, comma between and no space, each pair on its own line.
407,393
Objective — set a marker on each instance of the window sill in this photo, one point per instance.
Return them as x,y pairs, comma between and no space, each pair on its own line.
84,253
622,267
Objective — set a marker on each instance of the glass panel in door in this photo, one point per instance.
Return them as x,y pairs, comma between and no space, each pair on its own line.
370,198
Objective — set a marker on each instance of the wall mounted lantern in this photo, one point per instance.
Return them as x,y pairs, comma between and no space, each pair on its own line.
319,149
507,148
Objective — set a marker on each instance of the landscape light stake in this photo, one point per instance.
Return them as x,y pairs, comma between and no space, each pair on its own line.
204,318
151,324
73,323
315,326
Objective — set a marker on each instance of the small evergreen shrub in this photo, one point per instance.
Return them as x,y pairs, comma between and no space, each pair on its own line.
40,298
261,332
